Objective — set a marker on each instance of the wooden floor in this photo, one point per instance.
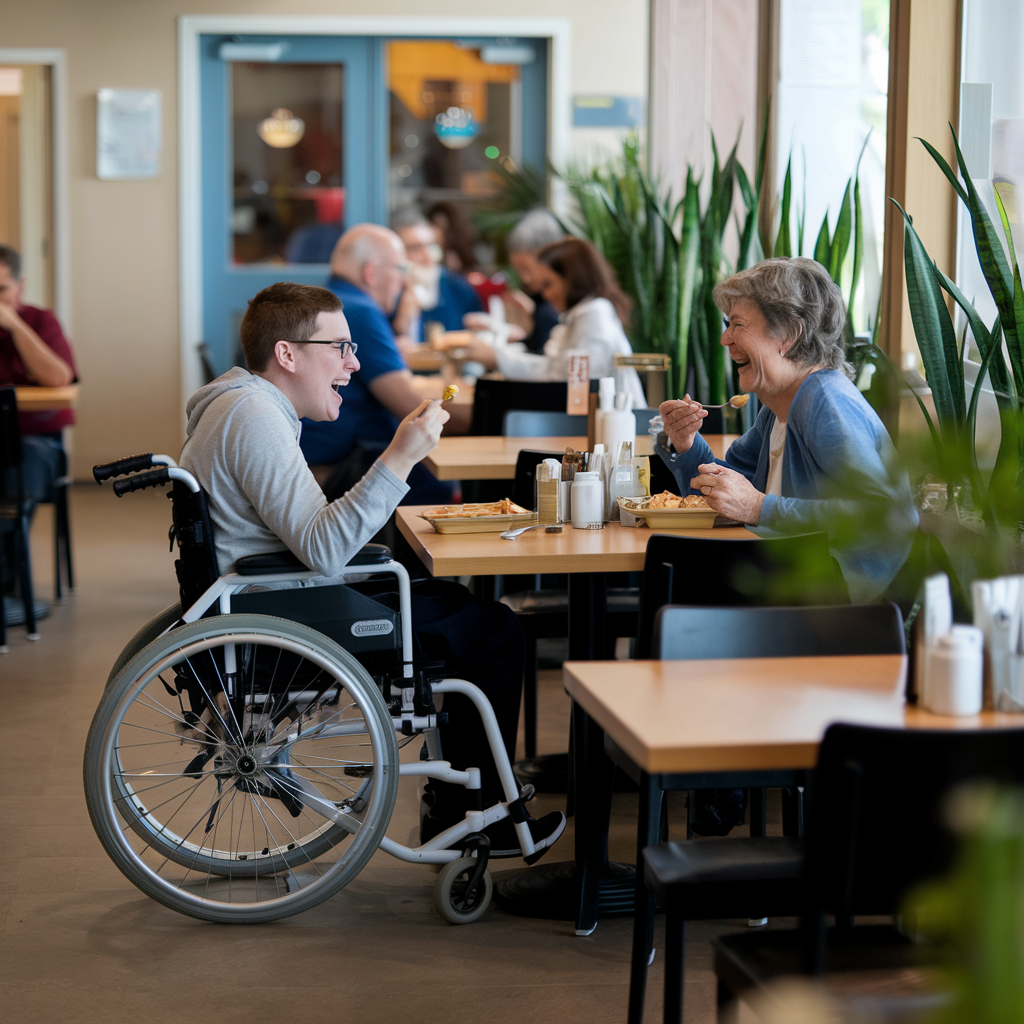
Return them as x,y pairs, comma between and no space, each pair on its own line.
79,943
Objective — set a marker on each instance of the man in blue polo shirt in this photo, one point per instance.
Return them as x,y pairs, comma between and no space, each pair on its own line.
368,271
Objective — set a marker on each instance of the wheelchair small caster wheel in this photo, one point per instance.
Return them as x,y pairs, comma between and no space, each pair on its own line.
456,898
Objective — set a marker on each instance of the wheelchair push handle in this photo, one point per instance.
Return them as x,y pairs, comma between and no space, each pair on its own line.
131,464
154,478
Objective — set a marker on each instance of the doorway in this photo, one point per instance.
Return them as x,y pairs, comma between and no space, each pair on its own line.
26,175
302,136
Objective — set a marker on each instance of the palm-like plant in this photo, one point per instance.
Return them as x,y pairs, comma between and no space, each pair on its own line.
1000,499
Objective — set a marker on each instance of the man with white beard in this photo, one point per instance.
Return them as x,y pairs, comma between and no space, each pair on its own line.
433,293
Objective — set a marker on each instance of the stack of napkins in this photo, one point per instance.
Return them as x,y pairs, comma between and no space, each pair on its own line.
999,613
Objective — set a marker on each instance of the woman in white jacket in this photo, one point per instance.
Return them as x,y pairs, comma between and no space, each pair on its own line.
577,280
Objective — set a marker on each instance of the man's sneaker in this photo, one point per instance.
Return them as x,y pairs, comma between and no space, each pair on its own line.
545,832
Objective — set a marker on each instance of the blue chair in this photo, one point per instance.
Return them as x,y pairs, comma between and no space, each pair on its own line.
538,423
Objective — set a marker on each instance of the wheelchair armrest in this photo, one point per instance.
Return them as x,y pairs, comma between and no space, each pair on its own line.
284,561
371,554
269,563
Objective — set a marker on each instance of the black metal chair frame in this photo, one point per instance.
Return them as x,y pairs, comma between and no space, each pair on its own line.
876,829
13,518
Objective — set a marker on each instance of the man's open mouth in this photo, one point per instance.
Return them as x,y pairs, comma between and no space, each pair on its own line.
339,383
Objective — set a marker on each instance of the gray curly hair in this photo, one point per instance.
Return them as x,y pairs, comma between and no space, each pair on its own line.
799,302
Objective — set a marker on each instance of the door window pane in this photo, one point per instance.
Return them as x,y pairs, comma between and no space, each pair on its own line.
452,116
288,162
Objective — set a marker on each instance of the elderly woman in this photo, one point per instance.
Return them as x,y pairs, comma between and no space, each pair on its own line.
818,457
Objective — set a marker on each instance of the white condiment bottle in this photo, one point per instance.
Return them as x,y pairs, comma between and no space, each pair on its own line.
616,425
952,672
587,502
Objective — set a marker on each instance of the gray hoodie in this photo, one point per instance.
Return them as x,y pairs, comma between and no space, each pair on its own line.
242,446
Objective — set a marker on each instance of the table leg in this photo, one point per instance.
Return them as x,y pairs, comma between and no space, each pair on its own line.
588,886
648,829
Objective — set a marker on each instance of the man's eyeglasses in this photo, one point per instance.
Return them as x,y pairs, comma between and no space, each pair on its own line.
346,348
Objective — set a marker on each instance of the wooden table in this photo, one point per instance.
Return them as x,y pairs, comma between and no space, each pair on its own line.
614,549
575,888
423,359
745,714
494,458
35,399
734,723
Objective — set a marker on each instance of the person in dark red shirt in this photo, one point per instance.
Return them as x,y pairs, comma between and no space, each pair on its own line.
33,350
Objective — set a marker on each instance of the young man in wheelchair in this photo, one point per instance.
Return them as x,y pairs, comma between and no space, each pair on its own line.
243,447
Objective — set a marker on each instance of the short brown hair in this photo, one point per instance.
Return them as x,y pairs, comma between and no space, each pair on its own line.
586,273
282,312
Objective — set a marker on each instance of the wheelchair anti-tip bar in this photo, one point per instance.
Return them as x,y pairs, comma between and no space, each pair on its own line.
131,464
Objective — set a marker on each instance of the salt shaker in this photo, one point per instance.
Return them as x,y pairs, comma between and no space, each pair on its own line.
952,672
587,501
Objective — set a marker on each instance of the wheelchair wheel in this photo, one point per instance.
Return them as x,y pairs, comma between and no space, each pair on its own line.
145,636
455,899
241,769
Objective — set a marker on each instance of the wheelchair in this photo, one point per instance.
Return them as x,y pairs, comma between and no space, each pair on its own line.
243,765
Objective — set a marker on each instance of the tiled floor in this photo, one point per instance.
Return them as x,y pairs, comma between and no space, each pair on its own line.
79,943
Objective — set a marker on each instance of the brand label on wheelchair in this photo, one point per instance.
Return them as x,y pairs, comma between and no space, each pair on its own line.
372,627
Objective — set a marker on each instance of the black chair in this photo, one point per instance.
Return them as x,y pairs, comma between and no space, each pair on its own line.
876,830
494,397
757,877
722,572
544,614
14,520
63,569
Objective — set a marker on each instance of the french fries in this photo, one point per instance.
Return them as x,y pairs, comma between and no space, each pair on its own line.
476,510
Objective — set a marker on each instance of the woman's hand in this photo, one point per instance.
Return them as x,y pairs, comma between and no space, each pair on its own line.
729,493
683,419
478,351
416,437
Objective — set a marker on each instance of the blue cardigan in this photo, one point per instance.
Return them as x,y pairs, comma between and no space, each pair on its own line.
840,475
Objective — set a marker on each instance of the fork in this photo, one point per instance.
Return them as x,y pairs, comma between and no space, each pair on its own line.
736,402
513,534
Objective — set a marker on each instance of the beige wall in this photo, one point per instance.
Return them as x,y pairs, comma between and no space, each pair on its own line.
124,235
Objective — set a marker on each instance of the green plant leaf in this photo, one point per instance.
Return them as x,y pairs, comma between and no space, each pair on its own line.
783,243
1002,384
841,239
935,335
858,238
823,245
995,268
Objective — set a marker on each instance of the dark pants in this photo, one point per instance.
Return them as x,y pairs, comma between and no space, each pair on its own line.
478,640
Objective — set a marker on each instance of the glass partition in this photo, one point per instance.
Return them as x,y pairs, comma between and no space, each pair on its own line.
288,161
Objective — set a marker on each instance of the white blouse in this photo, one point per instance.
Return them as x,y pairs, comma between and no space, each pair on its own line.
591,327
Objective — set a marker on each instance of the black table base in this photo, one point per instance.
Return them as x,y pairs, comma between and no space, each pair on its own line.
551,891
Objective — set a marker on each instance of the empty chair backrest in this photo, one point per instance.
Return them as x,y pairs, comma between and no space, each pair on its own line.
643,419
493,398
693,632
538,423
713,572
879,803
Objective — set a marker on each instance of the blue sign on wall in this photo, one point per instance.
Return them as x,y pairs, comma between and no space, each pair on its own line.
607,111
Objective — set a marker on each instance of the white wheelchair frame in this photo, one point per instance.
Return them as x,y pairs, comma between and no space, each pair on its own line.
436,851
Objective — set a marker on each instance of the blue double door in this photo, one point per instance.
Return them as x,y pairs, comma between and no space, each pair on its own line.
230,280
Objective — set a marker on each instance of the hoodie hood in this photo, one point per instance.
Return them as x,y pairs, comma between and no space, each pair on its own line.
236,380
